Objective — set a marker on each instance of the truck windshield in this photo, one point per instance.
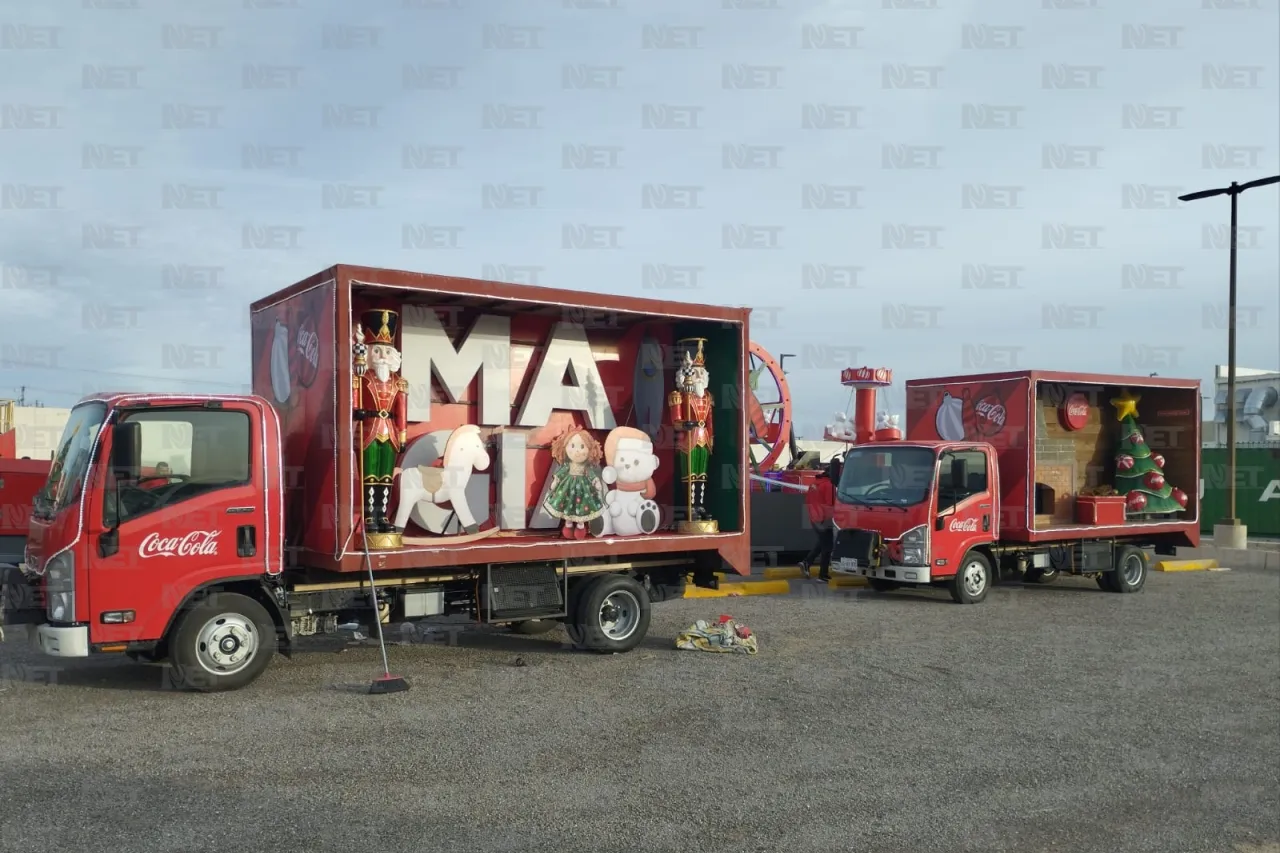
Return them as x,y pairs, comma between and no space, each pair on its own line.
70,460
899,476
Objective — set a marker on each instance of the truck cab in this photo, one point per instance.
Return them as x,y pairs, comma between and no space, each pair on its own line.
150,501
919,513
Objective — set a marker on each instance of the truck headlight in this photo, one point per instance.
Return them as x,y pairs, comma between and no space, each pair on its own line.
60,588
915,546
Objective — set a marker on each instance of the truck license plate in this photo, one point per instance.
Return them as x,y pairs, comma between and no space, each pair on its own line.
847,563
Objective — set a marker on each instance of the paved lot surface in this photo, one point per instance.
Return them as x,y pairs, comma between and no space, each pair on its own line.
1054,718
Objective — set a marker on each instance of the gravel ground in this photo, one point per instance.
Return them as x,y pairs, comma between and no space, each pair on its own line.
1052,718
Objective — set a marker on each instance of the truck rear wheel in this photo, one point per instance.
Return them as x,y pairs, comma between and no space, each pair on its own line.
1130,573
610,614
223,642
973,581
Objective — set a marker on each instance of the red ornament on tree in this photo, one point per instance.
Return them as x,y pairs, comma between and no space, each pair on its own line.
1136,501
1137,438
1124,462
1179,496
1154,480
1158,460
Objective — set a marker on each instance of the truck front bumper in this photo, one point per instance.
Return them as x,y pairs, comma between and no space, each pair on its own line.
898,574
70,641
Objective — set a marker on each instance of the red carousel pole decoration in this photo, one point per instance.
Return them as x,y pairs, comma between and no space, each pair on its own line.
866,382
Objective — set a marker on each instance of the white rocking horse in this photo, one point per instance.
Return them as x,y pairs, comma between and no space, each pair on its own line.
445,482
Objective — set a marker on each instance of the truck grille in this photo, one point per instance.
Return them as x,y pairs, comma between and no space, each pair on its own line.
861,545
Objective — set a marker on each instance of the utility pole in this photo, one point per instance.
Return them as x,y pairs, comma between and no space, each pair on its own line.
22,396
1233,532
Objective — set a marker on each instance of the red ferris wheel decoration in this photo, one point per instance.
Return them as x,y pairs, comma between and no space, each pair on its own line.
768,408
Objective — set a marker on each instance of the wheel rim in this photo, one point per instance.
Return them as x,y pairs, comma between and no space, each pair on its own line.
975,578
619,615
226,644
1132,570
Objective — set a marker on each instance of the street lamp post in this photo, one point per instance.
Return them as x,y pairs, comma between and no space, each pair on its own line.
1235,534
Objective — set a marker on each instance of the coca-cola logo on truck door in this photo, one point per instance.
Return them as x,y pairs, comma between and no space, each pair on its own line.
198,543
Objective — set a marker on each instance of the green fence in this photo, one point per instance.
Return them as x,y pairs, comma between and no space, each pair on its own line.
1257,489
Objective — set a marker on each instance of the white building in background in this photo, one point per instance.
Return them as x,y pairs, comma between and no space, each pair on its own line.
1256,410
31,431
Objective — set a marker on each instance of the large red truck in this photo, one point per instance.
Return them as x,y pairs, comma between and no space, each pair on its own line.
520,454
1031,473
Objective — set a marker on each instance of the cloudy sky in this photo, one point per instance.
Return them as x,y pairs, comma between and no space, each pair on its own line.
935,186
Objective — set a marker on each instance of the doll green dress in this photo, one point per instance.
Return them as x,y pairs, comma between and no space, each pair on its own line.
577,493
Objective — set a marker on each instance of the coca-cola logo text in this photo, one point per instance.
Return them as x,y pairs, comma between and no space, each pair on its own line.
993,412
1075,412
968,525
309,346
198,543
990,415
308,349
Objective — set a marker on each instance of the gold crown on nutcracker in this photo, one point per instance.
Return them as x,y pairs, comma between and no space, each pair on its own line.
380,327
699,360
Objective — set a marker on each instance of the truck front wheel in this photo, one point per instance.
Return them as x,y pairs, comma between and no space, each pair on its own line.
1130,573
610,614
223,642
973,581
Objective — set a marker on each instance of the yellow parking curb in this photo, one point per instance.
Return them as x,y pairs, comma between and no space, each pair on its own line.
728,590
778,573
838,582
1186,565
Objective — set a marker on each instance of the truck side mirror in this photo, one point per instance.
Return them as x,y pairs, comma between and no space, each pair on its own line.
126,450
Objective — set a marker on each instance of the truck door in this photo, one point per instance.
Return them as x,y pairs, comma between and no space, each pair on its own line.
965,513
156,536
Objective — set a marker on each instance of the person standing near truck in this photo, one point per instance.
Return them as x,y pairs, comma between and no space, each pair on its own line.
819,500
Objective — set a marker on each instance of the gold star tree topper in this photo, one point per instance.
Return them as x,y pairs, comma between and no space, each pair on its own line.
1126,404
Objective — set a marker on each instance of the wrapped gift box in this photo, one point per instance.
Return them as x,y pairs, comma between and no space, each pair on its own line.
1100,510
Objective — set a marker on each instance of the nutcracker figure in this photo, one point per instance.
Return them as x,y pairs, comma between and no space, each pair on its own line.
692,416
379,402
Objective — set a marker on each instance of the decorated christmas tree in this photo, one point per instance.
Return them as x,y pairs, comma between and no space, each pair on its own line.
1139,472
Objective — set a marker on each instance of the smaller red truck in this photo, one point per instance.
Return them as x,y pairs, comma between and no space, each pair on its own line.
1032,472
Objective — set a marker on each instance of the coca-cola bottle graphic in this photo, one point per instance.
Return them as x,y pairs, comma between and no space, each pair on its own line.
949,420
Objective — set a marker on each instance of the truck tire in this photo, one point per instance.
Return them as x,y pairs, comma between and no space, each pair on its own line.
610,615
973,581
532,627
1130,573
224,642
1041,575
882,585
